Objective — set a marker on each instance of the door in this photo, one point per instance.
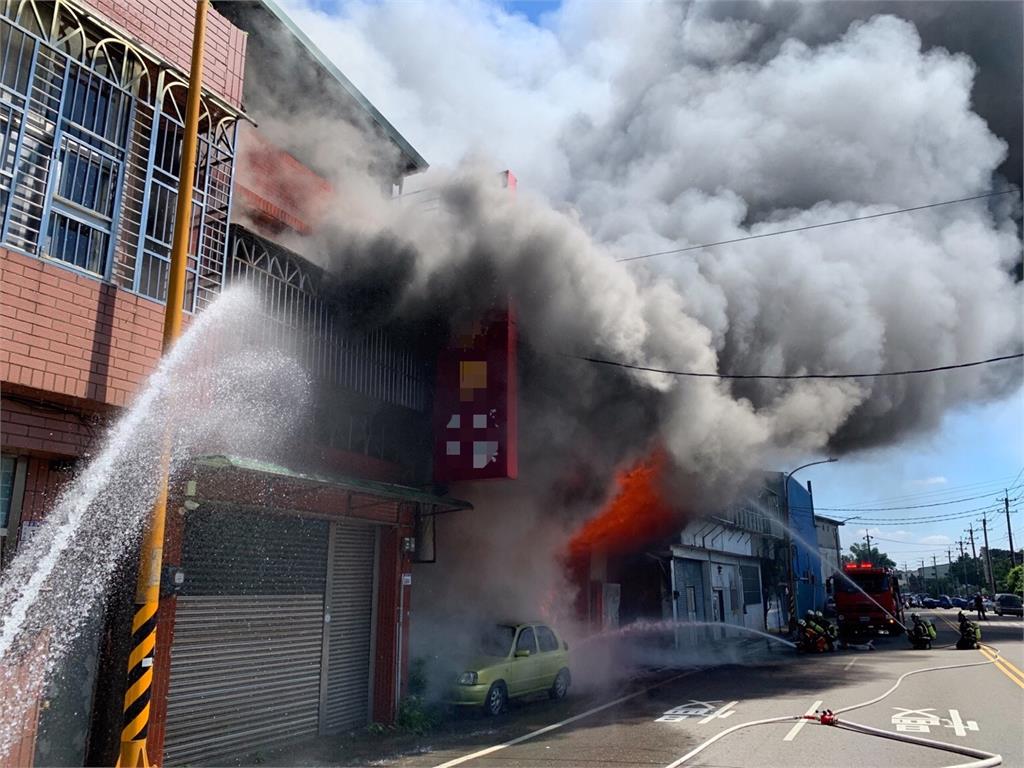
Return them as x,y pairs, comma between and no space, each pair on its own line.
718,604
525,670
348,627
552,657
248,635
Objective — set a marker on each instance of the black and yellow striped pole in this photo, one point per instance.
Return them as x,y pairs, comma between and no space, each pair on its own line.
147,592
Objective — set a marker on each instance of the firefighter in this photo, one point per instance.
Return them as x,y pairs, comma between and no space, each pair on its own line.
921,632
808,639
818,638
828,629
970,633
979,606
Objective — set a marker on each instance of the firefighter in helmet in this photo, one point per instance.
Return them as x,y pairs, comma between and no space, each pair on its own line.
970,633
921,632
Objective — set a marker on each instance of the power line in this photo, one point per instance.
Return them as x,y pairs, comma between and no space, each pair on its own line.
948,490
815,226
893,509
786,377
925,520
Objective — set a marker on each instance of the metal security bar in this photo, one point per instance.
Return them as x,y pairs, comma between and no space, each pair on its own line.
211,201
371,363
85,118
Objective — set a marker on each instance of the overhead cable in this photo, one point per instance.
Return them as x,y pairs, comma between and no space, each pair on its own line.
893,509
785,377
816,226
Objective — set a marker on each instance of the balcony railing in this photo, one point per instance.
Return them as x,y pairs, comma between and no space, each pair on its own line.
301,317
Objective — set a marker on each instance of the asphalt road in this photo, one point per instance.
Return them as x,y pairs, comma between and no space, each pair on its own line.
657,717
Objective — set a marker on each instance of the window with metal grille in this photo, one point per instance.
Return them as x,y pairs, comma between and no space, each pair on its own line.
751,584
371,363
90,135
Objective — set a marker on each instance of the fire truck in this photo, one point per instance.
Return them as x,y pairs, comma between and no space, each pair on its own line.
868,600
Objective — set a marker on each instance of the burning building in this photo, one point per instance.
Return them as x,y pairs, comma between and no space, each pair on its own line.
312,551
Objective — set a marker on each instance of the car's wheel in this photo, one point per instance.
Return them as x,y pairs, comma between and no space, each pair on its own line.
497,699
561,685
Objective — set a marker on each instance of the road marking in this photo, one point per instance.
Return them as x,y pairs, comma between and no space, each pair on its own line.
567,721
851,663
723,713
801,723
1004,669
1005,666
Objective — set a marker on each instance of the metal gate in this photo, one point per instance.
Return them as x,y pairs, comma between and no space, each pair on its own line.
245,661
350,622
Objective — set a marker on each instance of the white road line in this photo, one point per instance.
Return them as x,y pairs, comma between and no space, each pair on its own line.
555,726
723,713
853,661
801,723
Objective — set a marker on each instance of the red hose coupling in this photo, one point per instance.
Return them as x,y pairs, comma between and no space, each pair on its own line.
827,718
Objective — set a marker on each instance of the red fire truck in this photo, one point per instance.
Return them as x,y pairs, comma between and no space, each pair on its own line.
868,600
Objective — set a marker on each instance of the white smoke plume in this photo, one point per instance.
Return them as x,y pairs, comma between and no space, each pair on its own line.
644,127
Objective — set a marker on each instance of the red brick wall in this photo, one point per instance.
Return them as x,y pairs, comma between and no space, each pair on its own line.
72,335
165,26
275,190
42,486
42,429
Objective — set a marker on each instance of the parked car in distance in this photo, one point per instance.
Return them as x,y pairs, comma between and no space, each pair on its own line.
945,602
960,602
988,603
1009,604
929,602
515,660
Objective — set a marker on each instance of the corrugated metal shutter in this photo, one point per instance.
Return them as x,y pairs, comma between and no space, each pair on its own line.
248,636
245,673
350,631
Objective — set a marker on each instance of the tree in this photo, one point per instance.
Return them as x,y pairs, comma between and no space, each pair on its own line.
861,554
1015,580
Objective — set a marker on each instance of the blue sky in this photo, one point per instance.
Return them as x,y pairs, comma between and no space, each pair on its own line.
977,452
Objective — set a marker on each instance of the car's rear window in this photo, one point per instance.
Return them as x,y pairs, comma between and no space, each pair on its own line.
547,639
1009,601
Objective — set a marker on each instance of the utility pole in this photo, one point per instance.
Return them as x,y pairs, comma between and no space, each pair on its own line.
963,563
133,748
924,579
935,572
867,538
949,557
974,553
988,555
1009,530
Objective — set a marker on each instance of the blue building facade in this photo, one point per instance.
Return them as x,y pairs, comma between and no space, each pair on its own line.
806,558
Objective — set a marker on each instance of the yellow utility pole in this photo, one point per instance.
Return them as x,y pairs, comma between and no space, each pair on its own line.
147,591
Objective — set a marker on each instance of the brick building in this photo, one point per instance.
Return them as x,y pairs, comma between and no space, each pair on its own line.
91,109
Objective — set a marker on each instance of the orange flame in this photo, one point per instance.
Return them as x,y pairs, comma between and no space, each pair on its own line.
636,515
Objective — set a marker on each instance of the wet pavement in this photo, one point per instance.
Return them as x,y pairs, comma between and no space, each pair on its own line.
658,715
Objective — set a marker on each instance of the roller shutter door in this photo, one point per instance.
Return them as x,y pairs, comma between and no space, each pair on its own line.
248,636
349,641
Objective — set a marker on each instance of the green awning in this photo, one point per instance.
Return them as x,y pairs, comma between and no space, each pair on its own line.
350,484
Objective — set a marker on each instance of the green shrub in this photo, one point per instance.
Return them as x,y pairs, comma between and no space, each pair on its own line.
416,716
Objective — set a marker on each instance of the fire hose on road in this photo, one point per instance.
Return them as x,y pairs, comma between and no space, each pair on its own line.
982,759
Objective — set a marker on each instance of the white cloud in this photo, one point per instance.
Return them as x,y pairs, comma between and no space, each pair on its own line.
937,480
937,540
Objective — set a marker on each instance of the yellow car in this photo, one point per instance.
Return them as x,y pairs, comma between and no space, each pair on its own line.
515,660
